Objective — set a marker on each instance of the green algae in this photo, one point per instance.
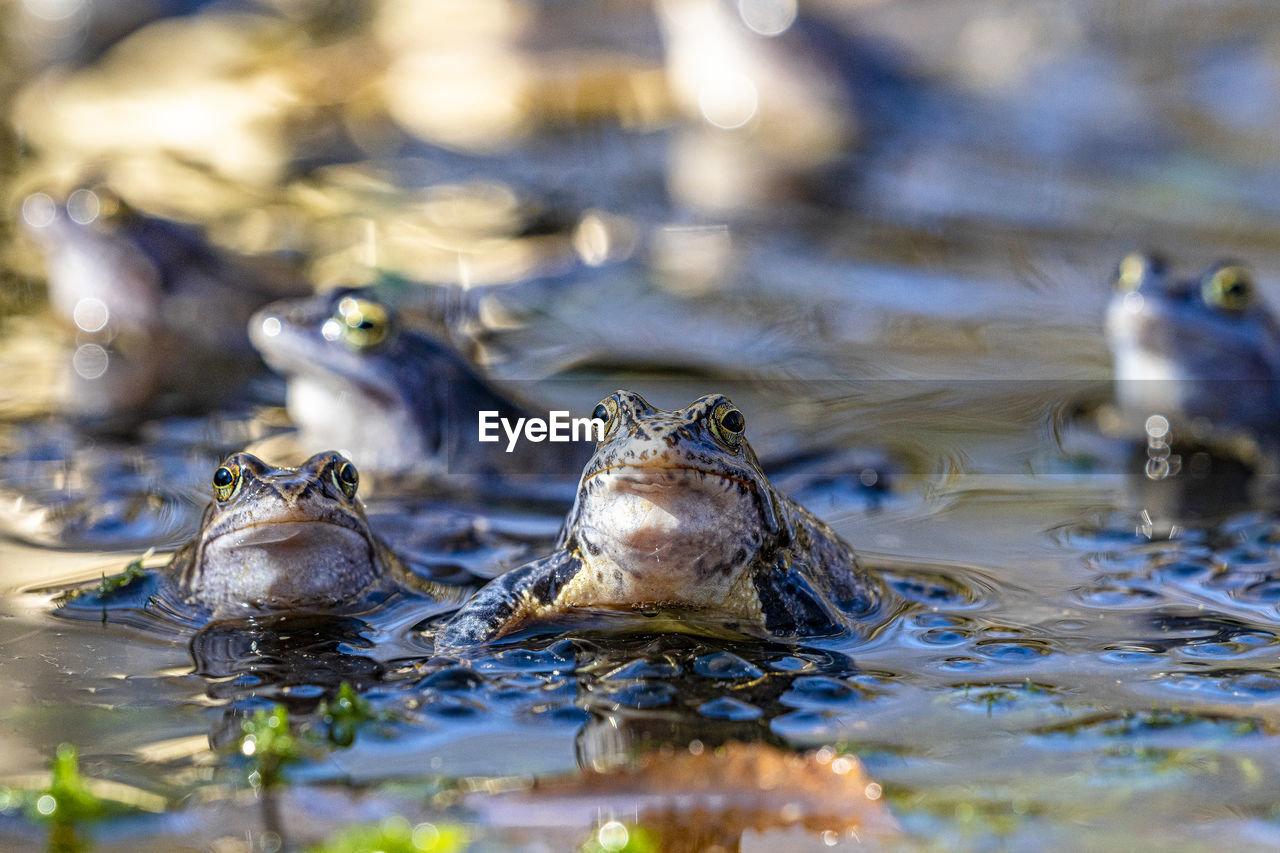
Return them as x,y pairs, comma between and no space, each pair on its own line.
346,715
134,571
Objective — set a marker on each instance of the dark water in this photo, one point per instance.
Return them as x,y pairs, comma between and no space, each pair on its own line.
1086,658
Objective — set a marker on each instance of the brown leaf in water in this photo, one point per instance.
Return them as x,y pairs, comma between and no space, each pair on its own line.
699,800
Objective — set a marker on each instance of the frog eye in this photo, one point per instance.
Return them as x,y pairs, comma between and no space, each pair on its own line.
728,424
347,479
359,323
1229,288
226,482
606,410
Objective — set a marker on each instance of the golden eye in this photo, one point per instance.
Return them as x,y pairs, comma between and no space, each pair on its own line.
226,482
1229,288
607,410
360,323
728,424
347,479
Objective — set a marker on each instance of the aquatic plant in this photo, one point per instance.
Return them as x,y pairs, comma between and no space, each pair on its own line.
345,715
132,572
67,799
270,745
271,741
64,804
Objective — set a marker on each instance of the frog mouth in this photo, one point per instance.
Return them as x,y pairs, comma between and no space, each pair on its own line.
289,533
656,507
330,371
660,476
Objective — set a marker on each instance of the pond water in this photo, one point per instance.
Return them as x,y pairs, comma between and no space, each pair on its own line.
1086,658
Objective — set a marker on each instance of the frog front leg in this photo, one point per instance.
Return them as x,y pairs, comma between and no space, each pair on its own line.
791,606
508,602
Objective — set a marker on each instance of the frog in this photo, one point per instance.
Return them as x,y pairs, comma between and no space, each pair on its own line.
158,311
401,402
1195,359
275,540
673,511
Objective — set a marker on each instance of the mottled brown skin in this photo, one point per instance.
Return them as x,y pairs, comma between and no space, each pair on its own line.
282,539
673,510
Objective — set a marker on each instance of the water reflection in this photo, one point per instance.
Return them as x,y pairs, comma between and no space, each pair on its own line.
296,662
690,739
810,198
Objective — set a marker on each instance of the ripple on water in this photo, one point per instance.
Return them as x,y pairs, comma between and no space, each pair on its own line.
938,590
529,681
544,697
1243,564
959,663
66,488
940,629
943,637
1205,634
1181,570
1020,650
987,644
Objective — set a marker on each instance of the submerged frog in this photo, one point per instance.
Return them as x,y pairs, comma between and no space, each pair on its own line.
674,510
394,398
281,539
1202,354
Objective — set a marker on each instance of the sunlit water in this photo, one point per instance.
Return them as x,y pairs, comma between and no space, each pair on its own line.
1084,658
1057,674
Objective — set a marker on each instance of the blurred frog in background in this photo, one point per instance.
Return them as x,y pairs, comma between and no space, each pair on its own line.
1197,389
404,405
159,314
1197,359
